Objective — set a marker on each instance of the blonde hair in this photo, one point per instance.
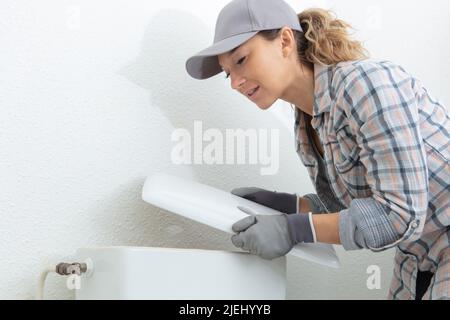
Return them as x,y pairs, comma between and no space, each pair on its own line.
325,39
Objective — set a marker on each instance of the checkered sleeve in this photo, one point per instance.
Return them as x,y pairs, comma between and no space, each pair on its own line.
315,204
380,104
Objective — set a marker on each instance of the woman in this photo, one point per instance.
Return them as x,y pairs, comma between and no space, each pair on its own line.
374,142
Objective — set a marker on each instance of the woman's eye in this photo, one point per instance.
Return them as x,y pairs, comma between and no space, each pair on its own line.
239,62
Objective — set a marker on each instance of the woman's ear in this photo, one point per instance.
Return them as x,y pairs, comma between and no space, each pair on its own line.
287,41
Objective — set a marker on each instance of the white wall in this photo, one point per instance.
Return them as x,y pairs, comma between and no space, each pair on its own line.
90,92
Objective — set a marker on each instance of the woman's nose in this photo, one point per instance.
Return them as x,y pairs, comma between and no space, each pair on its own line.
236,81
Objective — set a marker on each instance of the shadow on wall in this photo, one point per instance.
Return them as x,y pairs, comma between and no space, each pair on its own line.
170,38
160,69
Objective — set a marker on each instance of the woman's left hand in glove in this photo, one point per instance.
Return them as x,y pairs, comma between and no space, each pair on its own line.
271,236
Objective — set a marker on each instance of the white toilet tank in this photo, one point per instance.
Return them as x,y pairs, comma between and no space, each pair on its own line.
172,273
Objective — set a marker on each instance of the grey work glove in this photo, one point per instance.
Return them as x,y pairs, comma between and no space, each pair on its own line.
271,236
283,202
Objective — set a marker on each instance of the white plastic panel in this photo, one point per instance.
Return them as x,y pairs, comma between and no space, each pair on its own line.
219,209
121,273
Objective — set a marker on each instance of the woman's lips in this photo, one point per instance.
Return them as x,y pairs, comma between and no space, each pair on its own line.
253,95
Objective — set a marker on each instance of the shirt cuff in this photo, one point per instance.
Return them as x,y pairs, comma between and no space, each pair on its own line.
315,203
365,224
348,232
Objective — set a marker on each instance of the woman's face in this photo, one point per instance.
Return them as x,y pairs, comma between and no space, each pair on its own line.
257,64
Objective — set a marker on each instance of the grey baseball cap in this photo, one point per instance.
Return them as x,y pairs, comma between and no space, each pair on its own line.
237,22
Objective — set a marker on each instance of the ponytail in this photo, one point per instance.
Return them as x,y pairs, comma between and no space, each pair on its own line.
324,40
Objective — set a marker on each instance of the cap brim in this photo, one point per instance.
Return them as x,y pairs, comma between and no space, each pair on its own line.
204,64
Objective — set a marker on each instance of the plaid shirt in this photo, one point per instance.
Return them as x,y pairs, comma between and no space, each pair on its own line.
385,168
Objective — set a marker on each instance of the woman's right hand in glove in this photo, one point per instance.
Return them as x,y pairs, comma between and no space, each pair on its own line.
283,202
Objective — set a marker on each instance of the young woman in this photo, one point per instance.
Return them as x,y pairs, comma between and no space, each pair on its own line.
375,143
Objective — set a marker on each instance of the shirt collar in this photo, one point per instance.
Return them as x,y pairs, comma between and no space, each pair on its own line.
323,76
